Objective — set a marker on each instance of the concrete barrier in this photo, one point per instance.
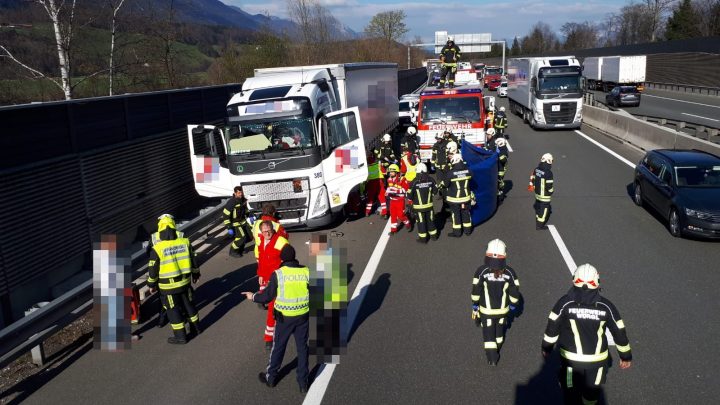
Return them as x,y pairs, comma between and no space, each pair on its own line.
644,135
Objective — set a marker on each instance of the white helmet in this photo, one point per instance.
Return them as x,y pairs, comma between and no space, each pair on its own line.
421,168
439,135
496,248
386,138
502,109
491,131
451,147
547,158
587,275
451,38
500,142
411,130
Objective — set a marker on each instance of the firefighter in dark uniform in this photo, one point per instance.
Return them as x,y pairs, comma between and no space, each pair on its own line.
577,325
385,154
421,194
410,142
459,197
542,183
235,220
503,154
171,267
449,57
490,140
494,292
289,287
500,123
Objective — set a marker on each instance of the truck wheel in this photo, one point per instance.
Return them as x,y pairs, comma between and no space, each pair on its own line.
526,116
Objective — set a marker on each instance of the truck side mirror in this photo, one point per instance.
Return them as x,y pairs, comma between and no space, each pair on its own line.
533,84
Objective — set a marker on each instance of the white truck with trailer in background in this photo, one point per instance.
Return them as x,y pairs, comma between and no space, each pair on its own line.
546,91
297,137
606,72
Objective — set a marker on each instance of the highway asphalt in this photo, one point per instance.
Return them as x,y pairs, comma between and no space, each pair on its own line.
413,340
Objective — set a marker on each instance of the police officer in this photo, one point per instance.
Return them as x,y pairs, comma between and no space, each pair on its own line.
577,325
235,220
459,197
289,287
503,154
421,194
172,265
494,291
542,183
500,122
449,57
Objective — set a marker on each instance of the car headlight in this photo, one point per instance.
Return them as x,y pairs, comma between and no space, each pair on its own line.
697,214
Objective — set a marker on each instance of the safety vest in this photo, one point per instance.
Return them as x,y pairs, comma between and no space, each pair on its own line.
175,263
374,171
155,238
293,295
410,172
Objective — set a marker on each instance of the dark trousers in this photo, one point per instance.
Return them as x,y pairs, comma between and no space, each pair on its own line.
493,337
581,385
500,132
330,334
448,71
176,306
242,235
460,217
285,327
426,223
542,212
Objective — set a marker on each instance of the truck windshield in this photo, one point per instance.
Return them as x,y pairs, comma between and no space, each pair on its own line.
493,71
461,109
559,80
273,130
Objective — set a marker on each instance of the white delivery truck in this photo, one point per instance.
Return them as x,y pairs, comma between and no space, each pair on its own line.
546,91
297,137
605,72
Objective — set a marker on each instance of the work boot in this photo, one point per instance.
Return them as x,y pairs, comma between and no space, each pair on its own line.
195,328
452,85
162,320
264,380
468,231
176,341
421,240
391,233
235,253
303,388
440,85
435,237
540,226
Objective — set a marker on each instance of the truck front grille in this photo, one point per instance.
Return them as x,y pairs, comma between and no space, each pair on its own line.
284,195
565,115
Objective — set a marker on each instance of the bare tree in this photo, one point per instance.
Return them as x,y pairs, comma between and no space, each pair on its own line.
115,6
389,25
579,35
657,10
61,15
708,14
540,40
315,24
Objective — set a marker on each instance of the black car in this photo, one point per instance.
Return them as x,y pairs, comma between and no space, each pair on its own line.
623,96
683,186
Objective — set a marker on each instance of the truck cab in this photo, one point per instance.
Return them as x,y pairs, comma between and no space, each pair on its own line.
462,110
492,77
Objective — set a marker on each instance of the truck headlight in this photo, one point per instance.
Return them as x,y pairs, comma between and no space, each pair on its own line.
321,202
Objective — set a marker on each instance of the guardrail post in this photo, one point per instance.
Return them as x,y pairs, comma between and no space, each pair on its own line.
680,125
37,352
700,132
662,121
712,132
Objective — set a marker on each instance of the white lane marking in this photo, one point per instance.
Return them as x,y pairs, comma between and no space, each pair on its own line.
682,101
606,149
322,380
572,266
510,149
700,116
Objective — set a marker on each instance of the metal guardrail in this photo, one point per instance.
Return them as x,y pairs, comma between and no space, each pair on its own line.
687,88
30,331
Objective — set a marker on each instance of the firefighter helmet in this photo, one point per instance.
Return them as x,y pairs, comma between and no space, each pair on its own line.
502,109
496,248
547,158
386,138
451,38
421,168
166,221
500,142
451,147
586,275
411,130
393,168
491,131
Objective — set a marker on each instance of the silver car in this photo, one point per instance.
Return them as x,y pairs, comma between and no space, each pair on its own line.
502,89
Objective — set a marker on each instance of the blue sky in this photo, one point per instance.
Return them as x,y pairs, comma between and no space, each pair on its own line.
503,19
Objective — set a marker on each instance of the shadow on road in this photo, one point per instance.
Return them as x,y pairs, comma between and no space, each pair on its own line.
56,364
374,298
224,293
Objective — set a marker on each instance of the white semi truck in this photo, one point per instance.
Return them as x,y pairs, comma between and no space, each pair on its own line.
546,91
297,137
605,72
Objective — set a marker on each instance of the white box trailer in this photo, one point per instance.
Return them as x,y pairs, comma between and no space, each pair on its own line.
297,137
615,71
